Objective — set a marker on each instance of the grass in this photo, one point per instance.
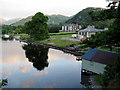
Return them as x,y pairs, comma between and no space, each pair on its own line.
101,48
60,43
62,33
61,36
114,49
56,40
23,36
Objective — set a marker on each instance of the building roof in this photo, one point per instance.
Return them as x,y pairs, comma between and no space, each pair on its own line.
91,29
100,56
89,54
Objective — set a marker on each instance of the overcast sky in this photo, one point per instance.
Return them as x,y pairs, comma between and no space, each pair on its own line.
22,8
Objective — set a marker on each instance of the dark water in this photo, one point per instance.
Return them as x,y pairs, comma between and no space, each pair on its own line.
26,66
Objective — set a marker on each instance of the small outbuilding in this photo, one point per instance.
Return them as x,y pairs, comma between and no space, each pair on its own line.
95,60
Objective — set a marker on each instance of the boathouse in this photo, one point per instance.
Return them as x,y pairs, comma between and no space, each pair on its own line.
95,60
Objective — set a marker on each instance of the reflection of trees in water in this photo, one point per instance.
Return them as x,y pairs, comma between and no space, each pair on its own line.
5,39
3,82
38,55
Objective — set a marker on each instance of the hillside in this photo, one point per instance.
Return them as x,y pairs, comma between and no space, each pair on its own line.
83,18
53,20
57,19
22,21
9,22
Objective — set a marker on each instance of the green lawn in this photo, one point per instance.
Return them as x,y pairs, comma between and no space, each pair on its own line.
56,40
61,36
23,36
114,49
62,33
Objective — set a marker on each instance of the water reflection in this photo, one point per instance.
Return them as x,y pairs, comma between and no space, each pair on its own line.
3,82
5,39
38,55
63,70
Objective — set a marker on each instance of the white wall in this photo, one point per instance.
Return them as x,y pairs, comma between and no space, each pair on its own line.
90,33
93,66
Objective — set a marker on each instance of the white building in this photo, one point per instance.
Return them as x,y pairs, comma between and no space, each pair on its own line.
71,27
95,60
88,32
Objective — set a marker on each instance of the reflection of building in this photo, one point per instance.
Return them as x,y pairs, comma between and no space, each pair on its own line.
5,36
88,32
95,60
71,27
85,79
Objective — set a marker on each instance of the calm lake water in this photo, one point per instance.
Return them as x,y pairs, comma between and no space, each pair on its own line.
27,66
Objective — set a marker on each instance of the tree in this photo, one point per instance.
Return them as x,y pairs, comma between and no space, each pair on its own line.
111,74
18,30
111,37
37,28
54,29
8,29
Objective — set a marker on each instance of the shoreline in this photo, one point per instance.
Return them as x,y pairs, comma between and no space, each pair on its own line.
69,49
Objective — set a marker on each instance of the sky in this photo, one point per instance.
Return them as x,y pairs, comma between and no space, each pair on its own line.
10,9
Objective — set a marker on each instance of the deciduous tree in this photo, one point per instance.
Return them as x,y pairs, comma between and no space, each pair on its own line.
37,28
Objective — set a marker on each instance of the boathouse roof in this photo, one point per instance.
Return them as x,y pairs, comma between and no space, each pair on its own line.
100,56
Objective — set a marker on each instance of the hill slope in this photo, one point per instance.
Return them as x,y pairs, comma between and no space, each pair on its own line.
22,21
83,18
57,19
53,20
8,22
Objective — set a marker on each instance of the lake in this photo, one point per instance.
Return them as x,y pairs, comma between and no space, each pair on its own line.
28,66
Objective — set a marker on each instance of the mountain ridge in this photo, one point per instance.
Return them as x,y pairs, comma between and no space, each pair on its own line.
10,21
53,20
84,19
